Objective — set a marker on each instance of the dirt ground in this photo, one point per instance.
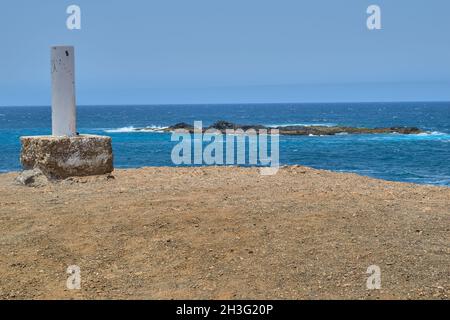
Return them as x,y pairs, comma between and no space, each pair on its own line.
224,233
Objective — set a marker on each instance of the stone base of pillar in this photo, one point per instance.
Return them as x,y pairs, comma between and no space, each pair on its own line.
63,157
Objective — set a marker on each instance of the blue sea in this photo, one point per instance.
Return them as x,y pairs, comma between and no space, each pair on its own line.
420,158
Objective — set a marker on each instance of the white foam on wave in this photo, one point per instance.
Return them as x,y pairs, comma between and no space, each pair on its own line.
132,129
121,130
424,136
433,133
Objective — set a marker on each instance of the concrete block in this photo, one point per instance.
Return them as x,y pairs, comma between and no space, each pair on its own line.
63,157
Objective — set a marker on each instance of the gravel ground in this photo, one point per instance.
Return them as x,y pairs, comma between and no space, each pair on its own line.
224,233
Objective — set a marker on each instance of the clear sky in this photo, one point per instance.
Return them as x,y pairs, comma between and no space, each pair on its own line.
222,51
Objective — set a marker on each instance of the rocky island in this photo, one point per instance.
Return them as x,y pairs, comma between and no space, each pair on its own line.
300,130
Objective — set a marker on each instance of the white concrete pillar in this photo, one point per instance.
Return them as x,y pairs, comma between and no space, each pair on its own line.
64,115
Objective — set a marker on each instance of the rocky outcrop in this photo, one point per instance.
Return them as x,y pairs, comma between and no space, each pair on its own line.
322,130
63,157
222,126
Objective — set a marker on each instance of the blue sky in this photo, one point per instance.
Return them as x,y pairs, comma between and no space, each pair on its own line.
223,51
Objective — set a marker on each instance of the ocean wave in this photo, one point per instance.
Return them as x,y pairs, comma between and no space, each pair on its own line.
132,129
121,130
424,136
433,133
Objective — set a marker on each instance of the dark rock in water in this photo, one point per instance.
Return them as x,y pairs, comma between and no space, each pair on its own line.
407,130
322,130
180,126
223,125
299,130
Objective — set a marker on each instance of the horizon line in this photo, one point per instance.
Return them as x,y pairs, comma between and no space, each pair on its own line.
229,103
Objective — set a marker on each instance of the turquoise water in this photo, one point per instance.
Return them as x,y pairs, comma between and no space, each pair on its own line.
422,158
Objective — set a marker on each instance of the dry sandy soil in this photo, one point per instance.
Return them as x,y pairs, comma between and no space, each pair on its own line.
224,233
